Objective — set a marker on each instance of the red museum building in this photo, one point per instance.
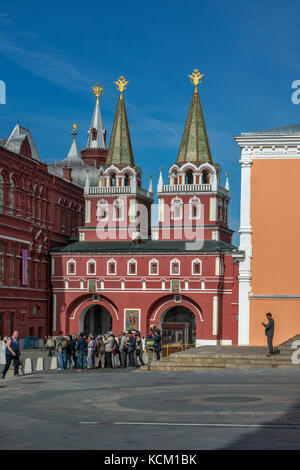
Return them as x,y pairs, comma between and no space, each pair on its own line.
180,275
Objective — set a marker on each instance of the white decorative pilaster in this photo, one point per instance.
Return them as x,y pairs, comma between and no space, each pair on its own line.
246,246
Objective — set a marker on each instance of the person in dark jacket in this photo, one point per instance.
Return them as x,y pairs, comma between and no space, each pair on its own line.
81,347
71,353
131,349
157,344
269,332
12,353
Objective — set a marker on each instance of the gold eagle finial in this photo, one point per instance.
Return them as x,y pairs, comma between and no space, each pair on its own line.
74,131
121,85
196,77
97,91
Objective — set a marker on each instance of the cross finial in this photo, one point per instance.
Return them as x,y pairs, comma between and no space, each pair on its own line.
121,85
97,91
74,131
196,78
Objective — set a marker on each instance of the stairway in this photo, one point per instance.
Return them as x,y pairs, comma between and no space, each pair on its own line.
228,357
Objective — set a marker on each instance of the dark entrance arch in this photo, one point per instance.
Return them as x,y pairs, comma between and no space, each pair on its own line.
97,320
178,326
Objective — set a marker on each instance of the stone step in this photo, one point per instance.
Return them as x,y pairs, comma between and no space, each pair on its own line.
226,366
240,358
222,363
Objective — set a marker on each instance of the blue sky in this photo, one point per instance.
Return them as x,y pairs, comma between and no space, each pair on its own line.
52,53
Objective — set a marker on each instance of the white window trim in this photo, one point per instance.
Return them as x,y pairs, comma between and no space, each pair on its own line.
102,202
131,261
176,200
110,261
173,261
195,201
196,261
121,207
90,261
152,261
68,263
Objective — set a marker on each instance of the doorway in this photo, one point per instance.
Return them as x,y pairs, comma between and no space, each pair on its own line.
97,320
179,326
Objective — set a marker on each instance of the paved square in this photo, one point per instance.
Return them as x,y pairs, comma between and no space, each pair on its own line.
125,409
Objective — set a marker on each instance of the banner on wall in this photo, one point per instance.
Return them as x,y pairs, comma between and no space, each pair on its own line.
24,267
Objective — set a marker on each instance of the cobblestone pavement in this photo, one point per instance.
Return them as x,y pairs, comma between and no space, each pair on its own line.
129,409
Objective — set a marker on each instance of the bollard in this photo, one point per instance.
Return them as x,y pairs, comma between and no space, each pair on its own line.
28,366
53,364
40,364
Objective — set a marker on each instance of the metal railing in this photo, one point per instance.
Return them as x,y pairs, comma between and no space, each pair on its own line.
167,349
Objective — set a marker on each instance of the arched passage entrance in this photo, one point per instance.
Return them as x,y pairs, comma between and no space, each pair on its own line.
178,325
95,319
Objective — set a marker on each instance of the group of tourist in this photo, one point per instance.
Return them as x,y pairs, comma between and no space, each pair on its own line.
83,352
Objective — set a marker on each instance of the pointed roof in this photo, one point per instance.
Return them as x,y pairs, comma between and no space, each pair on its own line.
73,155
120,151
194,145
16,138
96,140
97,124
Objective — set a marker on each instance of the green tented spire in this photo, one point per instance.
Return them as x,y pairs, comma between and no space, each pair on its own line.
194,145
120,151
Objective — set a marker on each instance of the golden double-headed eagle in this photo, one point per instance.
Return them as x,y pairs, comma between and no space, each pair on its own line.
121,84
196,77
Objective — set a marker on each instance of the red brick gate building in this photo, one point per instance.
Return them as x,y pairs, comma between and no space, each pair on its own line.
180,275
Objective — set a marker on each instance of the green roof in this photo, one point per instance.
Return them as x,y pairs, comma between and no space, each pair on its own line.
164,246
120,151
194,145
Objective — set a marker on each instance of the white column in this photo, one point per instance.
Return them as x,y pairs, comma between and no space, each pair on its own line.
246,246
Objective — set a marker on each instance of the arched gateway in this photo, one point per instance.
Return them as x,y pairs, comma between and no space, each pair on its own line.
95,319
178,325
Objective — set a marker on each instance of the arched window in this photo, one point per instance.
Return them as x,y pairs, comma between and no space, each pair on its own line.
111,267
194,208
113,180
196,267
102,210
127,180
153,267
12,195
118,209
175,266
91,266
132,267
176,209
189,179
94,134
71,266
205,177
2,194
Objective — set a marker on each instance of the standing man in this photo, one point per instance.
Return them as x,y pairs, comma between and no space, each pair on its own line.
123,350
81,347
12,353
131,349
109,342
157,344
269,332
100,351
